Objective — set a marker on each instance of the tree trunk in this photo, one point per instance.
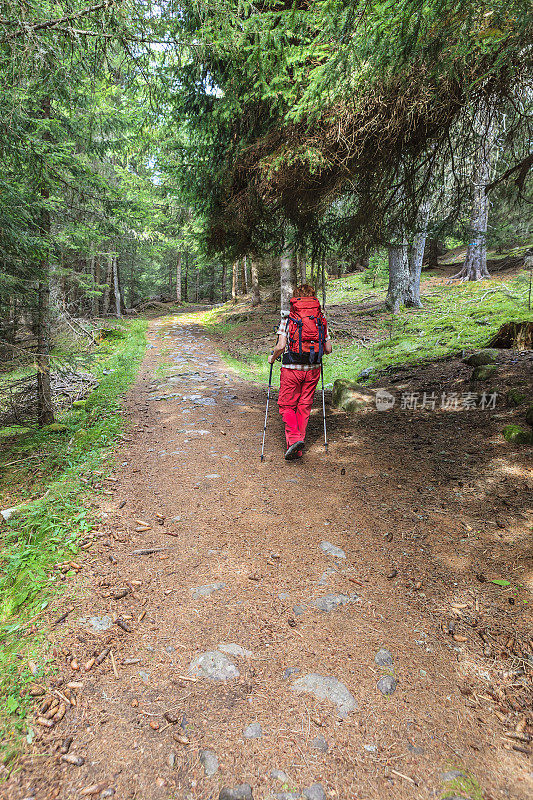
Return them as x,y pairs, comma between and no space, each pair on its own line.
234,282
131,282
302,269
323,283
223,281
197,282
107,288
45,411
398,276
178,278
433,249
212,282
94,298
416,255
286,280
186,278
116,286
254,269
475,265
244,275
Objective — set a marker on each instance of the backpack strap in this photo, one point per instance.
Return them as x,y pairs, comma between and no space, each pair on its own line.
320,326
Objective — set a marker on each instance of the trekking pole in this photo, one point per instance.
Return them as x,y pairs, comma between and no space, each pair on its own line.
324,408
266,413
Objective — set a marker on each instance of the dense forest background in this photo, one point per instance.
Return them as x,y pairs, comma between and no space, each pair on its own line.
195,152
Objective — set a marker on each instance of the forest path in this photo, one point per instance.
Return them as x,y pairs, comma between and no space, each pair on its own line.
244,560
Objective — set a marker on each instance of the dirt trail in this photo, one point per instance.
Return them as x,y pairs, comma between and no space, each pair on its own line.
238,576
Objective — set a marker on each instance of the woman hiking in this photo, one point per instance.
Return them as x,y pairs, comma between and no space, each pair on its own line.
302,340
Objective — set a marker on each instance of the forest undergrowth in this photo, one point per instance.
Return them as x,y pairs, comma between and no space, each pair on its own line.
57,469
455,317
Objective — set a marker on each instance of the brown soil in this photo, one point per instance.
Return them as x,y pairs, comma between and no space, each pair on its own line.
421,503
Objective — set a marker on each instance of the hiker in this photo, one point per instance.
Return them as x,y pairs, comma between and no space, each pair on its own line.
302,340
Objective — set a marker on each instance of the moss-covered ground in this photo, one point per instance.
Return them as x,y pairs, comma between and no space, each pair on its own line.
455,317
50,470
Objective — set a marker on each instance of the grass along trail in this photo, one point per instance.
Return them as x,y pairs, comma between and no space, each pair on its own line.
274,627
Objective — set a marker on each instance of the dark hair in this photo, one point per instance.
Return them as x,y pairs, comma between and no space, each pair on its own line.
305,290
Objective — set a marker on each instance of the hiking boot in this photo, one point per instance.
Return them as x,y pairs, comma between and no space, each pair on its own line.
292,451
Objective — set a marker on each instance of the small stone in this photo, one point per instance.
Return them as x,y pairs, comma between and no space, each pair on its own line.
415,750
331,601
286,795
315,792
209,762
253,731
108,793
7,513
214,666
332,550
279,775
326,688
326,575
320,744
172,760
297,611
370,748
235,650
206,591
383,658
484,372
96,624
481,358
242,792
452,775
387,684
517,435
290,671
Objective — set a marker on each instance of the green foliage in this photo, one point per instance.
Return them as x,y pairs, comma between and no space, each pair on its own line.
314,113
455,318
49,529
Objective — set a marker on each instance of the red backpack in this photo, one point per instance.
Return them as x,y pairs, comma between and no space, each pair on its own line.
306,328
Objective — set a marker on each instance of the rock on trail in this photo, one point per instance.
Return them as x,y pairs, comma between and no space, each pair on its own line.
332,550
213,665
326,688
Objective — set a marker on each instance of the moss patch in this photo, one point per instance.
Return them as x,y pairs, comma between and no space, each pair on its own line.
50,528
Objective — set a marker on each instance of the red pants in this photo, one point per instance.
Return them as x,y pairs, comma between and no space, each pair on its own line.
296,392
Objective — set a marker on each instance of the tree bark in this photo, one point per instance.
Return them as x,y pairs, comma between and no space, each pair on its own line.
244,275
186,278
234,282
302,269
94,298
323,282
116,286
398,276
45,411
107,287
254,269
286,280
475,265
197,282
223,281
178,278
416,256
